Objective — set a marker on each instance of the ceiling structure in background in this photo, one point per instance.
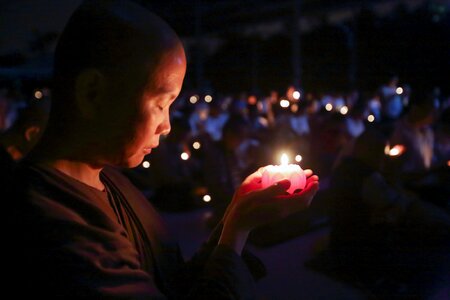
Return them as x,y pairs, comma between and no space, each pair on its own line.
264,16
256,43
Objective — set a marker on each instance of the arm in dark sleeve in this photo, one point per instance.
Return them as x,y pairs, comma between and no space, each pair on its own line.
218,272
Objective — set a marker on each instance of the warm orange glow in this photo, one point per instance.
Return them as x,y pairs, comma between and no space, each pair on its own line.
371,118
38,95
184,156
196,145
251,100
329,107
294,108
344,110
397,150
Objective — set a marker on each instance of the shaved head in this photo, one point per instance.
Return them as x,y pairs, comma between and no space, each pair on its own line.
121,39
113,58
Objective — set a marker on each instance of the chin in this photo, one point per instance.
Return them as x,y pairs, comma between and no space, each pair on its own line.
133,163
130,162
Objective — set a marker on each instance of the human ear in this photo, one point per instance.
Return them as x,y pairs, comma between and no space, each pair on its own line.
90,90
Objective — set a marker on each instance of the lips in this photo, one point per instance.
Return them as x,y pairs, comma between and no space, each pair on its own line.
147,150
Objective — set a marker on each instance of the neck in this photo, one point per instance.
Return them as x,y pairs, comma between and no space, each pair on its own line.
58,155
81,171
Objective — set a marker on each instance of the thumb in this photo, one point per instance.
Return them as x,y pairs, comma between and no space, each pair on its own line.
278,188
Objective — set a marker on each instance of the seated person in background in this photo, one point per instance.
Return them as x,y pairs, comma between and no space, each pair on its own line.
391,242
21,137
391,102
225,166
79,229
415,133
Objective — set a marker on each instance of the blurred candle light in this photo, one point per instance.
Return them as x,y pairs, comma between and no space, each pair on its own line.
38,94
252,100
371,118
329,107
343,110
399,90
196,145
284,103
294,173
208,98
294,108
448,163
296,95
396,150
146,164
184,156
387,148
206,198
193,99
298,158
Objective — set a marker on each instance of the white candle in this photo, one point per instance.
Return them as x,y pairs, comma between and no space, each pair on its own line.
294,173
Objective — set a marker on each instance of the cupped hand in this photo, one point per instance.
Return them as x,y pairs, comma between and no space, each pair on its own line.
253,206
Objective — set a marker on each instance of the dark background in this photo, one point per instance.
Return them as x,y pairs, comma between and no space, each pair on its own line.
254,46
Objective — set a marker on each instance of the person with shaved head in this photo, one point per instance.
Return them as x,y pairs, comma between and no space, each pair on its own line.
80,229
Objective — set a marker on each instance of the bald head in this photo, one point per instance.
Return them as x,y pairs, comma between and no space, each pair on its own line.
118,68
119,38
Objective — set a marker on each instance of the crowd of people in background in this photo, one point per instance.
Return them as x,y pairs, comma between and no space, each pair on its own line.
383,158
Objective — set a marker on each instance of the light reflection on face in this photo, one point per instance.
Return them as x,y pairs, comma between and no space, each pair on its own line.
150,119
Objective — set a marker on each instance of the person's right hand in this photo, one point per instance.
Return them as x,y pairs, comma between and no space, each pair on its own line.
253,206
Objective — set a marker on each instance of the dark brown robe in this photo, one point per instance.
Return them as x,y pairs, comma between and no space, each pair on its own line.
71,240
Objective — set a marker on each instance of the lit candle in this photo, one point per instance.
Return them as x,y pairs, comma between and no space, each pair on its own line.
294,173
396,150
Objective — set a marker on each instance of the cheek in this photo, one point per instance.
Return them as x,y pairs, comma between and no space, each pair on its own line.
147,125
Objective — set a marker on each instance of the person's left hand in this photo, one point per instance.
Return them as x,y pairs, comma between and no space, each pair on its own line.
253,206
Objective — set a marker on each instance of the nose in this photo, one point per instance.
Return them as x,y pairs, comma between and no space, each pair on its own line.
164,127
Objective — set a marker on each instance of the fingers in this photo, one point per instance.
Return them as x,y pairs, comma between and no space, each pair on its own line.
278,188
312,178
308,172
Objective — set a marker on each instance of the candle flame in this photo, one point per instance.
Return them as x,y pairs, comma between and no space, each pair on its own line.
397,150
284,159
387,148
